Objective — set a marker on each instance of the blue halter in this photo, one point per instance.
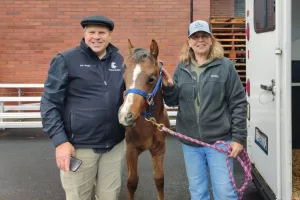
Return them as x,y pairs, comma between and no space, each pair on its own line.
149,97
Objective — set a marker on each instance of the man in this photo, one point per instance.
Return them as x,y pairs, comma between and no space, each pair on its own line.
79,108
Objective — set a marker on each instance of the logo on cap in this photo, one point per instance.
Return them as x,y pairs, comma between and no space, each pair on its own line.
198,24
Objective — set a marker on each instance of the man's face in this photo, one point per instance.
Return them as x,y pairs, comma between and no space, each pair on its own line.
97,38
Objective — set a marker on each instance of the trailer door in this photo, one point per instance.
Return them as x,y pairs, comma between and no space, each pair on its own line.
261,80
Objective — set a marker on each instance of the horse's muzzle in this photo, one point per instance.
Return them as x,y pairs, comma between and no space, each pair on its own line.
127,119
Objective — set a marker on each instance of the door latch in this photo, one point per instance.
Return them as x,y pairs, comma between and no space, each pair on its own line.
270,88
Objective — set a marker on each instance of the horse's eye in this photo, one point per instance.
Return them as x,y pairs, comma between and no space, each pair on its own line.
151,79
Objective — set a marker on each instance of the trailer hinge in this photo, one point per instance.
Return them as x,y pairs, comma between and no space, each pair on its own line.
278,51
249,139
249,146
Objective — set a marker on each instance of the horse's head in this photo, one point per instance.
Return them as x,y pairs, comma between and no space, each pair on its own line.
142,79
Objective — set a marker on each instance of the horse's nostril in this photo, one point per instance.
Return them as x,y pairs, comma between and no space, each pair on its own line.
129,117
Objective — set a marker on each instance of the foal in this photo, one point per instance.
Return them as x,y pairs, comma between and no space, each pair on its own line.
142,74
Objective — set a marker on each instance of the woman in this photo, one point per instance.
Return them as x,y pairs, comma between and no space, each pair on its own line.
211,107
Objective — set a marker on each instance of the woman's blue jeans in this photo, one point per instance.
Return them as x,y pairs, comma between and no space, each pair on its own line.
197,161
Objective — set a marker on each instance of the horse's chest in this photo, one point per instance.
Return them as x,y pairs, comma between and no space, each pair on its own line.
141,139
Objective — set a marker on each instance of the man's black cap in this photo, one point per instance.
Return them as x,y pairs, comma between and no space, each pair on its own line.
98,20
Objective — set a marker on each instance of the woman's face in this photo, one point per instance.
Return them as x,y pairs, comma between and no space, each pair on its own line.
200,42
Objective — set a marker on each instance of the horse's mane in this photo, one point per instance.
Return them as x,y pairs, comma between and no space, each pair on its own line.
139,55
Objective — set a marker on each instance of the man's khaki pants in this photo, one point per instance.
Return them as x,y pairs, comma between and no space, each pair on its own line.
104,171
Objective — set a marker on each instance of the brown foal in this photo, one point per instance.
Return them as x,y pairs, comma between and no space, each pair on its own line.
142,73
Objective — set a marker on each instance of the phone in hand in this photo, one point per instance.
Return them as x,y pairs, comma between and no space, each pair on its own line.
74,163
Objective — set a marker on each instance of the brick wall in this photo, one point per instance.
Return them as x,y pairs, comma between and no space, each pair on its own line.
222,8
34,31
202,9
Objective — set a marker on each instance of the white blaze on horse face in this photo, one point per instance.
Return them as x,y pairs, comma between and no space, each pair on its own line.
129,99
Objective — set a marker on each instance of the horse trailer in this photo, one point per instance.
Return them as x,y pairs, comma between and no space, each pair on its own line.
273,95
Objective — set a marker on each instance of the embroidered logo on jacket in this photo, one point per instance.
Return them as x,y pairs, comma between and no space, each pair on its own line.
85,65
114,67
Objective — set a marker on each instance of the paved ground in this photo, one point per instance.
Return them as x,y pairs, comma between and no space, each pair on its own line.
28,170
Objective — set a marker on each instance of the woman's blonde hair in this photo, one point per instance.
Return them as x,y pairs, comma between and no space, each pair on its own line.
216,51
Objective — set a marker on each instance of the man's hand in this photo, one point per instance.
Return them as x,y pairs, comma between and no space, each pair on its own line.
236,149
63,153
167,79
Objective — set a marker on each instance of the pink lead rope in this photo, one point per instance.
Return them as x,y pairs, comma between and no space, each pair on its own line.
243,158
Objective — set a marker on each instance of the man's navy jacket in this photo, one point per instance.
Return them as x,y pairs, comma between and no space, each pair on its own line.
82,96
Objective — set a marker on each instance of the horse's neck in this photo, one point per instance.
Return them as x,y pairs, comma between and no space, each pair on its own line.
158,103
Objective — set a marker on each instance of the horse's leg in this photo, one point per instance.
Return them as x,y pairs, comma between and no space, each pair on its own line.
132,155
157,156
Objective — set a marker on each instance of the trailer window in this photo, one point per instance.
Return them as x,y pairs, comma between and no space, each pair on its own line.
264,15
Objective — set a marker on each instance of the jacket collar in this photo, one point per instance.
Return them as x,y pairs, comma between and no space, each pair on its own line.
215,62
109,50
211,64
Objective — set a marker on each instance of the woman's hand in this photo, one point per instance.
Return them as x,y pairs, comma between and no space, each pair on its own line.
236,149
166,78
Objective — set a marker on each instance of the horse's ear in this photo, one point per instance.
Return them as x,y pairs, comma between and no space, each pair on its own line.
130,46
154,49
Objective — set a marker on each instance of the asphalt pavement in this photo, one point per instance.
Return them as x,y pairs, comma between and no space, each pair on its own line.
28,170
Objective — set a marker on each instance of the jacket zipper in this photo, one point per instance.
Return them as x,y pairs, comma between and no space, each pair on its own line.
198,116
102,66
106,63
103,76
